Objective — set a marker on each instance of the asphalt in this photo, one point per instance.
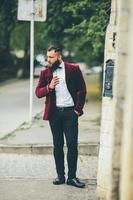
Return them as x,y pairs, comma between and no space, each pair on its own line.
27,166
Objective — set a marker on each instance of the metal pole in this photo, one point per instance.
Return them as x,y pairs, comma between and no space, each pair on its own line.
31,61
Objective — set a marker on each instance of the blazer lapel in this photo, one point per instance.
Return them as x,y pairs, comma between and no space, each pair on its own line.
50,75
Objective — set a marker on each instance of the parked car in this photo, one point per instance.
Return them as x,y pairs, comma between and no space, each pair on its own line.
96,69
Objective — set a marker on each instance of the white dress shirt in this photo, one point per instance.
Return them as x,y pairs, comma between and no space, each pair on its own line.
63,96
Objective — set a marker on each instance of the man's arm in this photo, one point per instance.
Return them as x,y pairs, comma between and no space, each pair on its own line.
42,88
81,92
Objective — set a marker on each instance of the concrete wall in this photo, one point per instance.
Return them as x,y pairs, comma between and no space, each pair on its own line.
116,141
119,95
106,116
126,181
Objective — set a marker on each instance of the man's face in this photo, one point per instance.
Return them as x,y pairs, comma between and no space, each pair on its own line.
52,57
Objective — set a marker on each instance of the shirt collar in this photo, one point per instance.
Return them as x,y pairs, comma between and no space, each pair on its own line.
61,65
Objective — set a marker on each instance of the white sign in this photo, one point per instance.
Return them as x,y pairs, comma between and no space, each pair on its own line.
25,10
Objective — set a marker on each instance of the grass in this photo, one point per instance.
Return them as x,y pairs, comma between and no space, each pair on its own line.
93,87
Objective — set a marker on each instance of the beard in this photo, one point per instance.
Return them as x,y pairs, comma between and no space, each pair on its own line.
55,65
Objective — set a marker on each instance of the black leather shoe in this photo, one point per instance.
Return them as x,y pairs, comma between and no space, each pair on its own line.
75,182
59,181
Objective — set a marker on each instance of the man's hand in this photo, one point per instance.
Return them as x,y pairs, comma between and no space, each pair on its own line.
77,113
54,82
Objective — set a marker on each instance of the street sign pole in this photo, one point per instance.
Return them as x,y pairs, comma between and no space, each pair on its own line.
32,10
31,60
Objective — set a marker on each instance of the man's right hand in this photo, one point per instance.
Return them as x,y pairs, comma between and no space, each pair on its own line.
54,82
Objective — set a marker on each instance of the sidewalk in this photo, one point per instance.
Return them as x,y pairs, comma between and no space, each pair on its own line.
27,176
37,138
43,190
27,165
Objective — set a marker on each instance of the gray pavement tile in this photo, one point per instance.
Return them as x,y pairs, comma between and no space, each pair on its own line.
22,189
43,167
26,177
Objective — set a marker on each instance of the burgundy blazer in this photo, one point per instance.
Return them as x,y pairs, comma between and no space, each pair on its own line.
75,84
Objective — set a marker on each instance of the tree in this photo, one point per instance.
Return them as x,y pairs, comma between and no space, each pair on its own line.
88,31
78,26
7,22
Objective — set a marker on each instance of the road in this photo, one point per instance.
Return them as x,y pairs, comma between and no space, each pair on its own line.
14,105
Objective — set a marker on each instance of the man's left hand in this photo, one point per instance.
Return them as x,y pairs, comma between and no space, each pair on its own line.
77,113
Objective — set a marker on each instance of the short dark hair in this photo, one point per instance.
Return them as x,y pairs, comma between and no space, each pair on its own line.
56,49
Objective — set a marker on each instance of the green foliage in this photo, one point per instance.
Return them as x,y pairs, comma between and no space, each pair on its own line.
91,18
20,36
7,22
78,26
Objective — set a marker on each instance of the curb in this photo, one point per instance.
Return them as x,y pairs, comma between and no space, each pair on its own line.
84,149
8,81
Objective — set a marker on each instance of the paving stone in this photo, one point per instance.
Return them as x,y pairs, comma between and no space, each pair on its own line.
22,189
43,167
26,177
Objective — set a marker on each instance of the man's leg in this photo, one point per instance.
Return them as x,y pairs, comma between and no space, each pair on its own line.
70,126
58,142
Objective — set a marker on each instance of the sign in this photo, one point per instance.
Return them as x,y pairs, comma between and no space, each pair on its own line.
26,7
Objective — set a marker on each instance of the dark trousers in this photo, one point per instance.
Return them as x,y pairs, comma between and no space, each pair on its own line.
65,122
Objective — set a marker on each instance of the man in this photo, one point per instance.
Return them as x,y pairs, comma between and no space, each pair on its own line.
64,87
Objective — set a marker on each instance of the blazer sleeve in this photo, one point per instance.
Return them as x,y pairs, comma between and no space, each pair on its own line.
81,91
42,88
